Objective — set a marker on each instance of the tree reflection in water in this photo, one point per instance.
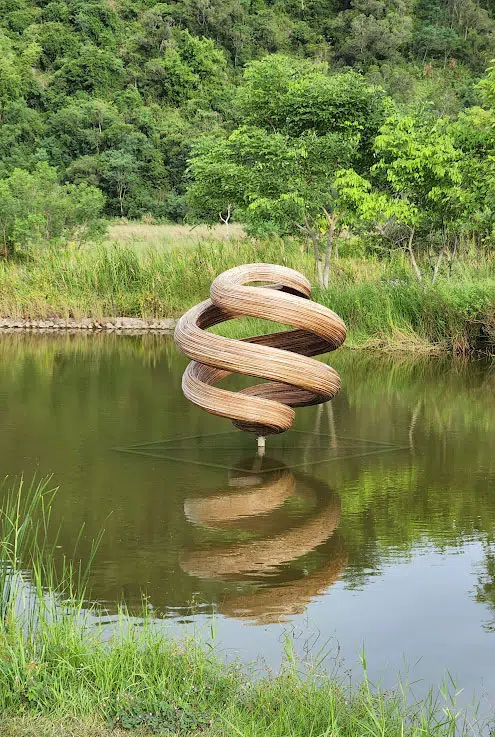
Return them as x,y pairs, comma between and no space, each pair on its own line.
485,589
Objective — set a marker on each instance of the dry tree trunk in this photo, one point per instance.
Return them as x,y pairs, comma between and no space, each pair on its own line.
437,265
225,220
453,255
414,263
319,265
311,233
332,224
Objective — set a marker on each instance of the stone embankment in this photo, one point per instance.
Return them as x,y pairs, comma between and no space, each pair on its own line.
127,325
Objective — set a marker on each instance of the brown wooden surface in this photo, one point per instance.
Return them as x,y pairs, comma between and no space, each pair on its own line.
284,359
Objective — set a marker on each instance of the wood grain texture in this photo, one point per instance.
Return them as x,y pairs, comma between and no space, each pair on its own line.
294,378
262,557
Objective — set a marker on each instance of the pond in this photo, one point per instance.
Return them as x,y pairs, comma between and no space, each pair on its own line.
371,523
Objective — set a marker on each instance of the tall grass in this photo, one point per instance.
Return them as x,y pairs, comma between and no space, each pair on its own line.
33,583
142,681
63,675
23,516
379,299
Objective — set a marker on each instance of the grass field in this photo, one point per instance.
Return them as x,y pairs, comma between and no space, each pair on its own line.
162,272
150,235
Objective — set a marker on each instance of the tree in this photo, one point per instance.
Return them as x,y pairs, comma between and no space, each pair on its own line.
177,66
120,171
21,132
485,588
278,173
418,188
87,139
474,133
486,87
373,30
16,78
36,209
274,184
217,189
93,70
56,40
436,41
292,97
79,128
454,27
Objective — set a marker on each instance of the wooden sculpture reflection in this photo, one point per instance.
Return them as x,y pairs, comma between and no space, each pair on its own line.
258,496
284,359
270,604
265,562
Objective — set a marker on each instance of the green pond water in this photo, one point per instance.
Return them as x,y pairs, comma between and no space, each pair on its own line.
370,523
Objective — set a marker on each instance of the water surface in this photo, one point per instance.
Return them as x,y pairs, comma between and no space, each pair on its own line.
372,522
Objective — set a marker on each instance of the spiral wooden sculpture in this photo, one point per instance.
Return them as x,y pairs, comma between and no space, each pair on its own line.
294,379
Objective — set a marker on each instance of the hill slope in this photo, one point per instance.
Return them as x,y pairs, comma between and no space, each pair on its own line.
113,92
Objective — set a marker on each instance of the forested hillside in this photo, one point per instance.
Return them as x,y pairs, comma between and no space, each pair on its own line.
114,93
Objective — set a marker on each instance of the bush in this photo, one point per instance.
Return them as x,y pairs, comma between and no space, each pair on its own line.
35,208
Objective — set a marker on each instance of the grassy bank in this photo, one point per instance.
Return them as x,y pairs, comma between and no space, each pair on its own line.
380,299
63,673
144,684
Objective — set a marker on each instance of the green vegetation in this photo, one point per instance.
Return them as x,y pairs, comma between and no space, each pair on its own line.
114,94
380,299
323,156
139,99
58,676
361,126
35,208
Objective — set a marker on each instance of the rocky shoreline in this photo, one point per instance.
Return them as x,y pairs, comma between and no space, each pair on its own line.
127,325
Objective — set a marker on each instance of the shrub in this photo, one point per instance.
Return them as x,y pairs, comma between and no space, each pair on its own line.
35,208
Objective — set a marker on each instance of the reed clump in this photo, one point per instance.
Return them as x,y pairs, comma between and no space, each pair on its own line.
379,298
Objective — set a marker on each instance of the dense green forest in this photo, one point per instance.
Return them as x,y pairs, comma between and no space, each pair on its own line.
315,118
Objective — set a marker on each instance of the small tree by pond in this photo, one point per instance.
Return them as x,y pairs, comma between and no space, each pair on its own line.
277,172
320,155
36,209
420,170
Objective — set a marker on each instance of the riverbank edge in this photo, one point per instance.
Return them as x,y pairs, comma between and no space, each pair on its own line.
104,324
383,306
132,326
70,679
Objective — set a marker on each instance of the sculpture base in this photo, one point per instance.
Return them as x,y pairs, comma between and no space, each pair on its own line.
295,449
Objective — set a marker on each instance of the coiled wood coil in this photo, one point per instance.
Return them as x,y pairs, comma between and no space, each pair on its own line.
294,379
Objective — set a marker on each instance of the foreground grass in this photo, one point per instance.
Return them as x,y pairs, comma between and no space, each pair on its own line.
64,672
66,680
38,726
380,300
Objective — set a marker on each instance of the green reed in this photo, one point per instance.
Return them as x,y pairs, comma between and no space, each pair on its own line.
380,299
36,583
